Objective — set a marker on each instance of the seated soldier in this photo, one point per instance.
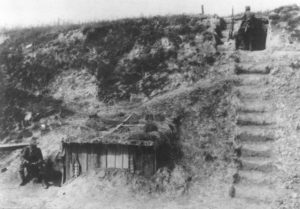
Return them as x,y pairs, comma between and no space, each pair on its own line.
32,161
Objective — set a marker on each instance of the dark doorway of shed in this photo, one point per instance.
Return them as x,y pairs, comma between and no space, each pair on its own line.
253,39
53,170
168,154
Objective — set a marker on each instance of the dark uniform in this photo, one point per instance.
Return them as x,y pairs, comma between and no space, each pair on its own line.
247,28
248,20
32,161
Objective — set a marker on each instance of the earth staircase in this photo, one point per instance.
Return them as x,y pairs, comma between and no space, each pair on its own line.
254,136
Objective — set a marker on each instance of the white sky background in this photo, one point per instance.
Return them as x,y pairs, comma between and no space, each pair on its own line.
39,12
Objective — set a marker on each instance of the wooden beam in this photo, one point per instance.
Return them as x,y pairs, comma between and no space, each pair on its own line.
125,156
119,156
155,161
118,126
103,156
8,147
111,156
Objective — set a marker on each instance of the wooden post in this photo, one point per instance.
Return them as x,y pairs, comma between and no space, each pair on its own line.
155,159
126,157
232,25
67,162
122,155
11,147
103,156
87,149
111,156
106,156
63,163
202,9
131,159
119,156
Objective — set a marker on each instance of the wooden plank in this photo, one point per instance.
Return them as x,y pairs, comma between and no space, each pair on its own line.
119,157
86,152
125,157
88,149
111,156
148,160
68,161
131,154
93,162
117,127
74,153
103,156
82,157
97,153
155,160
10,147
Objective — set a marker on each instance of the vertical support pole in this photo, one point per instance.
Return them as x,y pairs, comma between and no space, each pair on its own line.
131,153
66,163
63,163
106,153
202,9
155,159
87,148
122,155
232,25
116,154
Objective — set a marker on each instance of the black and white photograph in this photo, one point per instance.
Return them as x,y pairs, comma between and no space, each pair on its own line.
149,104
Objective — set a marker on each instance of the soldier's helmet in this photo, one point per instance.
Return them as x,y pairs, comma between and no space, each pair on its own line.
247,8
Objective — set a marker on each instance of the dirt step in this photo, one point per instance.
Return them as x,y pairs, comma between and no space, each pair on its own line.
253,80
254,106
257,177
258,164
262,68
254,56
253,92
256,193
254,134
285,55
244,119
256,150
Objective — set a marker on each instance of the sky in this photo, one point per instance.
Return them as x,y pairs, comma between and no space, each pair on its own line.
40,12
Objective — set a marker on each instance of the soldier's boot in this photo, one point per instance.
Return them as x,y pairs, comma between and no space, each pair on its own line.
237,44
45,184
23,178
250,45
43,179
